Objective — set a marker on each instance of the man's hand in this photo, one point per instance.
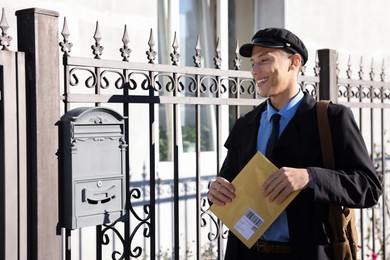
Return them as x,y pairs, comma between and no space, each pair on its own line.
221,191
285,181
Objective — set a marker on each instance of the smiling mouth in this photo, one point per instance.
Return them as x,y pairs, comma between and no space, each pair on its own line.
260,81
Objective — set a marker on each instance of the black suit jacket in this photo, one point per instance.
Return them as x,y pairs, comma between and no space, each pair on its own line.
354,184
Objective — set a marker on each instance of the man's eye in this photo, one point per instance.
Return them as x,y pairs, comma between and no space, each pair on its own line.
264,60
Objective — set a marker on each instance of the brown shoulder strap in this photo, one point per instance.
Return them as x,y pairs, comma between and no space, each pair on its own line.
325,134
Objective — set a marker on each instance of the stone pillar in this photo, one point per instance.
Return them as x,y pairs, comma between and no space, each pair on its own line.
38,38
13,199
328,75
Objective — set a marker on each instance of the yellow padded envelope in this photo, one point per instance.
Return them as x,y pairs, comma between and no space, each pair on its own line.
250,214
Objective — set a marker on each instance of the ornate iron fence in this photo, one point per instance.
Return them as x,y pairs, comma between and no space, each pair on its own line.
140,91
165,84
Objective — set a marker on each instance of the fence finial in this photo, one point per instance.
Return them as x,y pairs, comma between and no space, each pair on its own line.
303,70
383,75
372,73
125,50
197,57
349,71
4,38
316,65
237,60
218,59
97,48
151,53
175,55
66,46
361,72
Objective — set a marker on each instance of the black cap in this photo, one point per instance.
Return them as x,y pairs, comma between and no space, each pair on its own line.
276,38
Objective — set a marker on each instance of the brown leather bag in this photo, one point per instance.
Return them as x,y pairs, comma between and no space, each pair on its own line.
341,219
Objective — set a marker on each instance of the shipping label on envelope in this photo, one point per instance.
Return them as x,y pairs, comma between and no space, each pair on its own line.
250,214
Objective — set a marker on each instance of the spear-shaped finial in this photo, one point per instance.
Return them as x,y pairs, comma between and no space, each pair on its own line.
66,46
361,72
349,71
97,48
125,50
372,73
218,59
317,67
175,55
383,75
5,39
151,53
237,60
197,57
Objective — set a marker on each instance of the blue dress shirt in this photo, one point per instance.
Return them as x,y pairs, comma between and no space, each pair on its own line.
278,231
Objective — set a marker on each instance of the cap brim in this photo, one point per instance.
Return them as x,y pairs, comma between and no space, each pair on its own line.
246,49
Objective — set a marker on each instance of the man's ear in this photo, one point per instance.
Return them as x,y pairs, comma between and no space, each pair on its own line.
296,60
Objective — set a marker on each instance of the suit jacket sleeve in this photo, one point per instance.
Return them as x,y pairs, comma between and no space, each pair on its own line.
355,182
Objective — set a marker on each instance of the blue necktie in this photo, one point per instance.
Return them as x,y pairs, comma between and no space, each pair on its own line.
273,137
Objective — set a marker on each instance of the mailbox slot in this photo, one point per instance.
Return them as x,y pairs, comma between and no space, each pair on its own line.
92,199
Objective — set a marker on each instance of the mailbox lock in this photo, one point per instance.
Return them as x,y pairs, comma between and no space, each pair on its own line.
99,183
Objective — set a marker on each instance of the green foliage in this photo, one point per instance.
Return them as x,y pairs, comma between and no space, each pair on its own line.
189,140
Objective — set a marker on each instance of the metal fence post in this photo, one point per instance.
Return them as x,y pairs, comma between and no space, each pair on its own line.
38,38
328,74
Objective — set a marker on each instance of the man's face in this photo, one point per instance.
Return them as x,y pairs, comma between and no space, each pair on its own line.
271,71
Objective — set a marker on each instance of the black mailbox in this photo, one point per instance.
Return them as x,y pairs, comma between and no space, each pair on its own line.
92,154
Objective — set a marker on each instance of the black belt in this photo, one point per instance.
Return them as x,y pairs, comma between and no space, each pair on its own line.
273,247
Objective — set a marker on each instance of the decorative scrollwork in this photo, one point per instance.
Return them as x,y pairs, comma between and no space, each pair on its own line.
132,82
90,82
309,87
377,93
386,94
226,83
188,80
218,226
224,89
208,83
214,88
105,83
340,90
354,92
363,92
116,255
164,80
180,86
366,92
193,87
136,194
250,86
